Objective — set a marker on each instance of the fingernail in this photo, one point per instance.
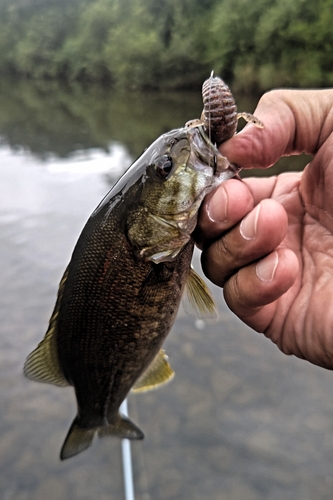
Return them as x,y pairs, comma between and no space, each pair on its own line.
248,227
218,205
266,267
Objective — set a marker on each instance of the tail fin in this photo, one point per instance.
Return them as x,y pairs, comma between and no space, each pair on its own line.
123,427
80,438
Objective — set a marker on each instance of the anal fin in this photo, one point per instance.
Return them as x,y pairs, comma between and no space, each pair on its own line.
158,373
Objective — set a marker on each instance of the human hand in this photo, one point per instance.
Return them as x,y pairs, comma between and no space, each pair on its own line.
269,241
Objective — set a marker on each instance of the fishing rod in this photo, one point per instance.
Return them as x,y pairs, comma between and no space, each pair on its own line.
127,460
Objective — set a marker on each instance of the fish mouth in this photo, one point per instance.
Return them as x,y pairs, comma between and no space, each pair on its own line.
209,157
213,169
210,169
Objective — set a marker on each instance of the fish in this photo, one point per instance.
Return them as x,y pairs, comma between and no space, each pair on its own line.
119,296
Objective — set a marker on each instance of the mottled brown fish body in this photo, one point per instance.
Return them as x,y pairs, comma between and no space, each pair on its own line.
121,291
115,313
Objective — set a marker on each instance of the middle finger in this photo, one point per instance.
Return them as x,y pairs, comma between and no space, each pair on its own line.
258,234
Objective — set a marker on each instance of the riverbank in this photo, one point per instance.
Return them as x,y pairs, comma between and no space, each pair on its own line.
144,44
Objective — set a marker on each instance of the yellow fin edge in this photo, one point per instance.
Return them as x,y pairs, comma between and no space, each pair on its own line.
199,297
158,373
42,364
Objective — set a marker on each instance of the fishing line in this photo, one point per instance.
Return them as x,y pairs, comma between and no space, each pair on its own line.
210,103
209,113
127,460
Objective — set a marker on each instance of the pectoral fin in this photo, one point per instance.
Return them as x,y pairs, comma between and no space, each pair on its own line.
199,297
159,372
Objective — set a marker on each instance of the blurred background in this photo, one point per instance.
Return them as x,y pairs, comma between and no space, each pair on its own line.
169,44
85,86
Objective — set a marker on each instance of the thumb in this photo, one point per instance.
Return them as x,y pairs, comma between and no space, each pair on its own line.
295,121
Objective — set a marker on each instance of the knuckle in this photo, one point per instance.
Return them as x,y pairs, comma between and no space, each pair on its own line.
237,298
217,262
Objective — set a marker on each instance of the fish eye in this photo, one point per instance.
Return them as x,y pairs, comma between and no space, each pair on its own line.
172,143
163,166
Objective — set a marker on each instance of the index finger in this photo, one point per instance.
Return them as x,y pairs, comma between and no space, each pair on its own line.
222,209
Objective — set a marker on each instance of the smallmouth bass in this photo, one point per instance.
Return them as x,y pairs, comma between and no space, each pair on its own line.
121,291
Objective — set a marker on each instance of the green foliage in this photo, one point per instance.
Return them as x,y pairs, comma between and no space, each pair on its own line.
169,43
231,33
132,47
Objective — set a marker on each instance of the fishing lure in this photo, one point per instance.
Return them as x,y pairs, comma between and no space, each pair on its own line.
219,115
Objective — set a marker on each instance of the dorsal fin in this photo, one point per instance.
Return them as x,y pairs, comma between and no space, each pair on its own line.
42,364
159,372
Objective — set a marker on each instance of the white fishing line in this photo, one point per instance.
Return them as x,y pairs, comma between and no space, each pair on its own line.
127,460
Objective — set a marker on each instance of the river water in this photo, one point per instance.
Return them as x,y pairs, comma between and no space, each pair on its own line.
239,421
